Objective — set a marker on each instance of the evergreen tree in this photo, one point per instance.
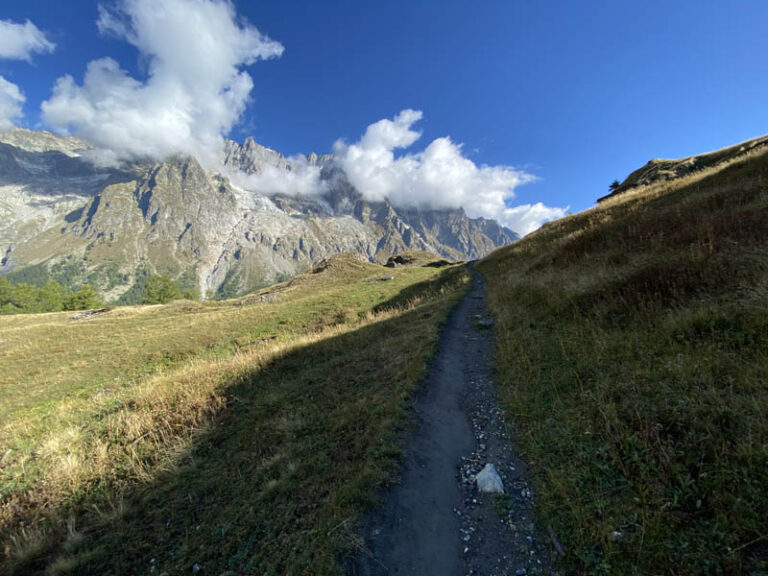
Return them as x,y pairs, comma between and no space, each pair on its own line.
161,289
51,297
84,299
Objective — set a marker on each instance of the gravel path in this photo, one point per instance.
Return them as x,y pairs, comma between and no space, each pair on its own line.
433,520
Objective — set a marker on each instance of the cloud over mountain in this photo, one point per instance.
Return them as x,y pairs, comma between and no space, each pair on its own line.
195,90
17,42
439,176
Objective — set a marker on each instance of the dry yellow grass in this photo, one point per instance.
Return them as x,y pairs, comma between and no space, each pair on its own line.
95,408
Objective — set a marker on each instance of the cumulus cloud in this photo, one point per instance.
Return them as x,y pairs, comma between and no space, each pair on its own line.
195,90
17,42
440,176
21,41
525,218
11,101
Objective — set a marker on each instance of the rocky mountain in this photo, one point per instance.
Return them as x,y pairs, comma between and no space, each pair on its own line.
663,170
65,217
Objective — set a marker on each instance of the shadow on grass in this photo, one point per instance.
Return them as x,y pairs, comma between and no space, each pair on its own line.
273,485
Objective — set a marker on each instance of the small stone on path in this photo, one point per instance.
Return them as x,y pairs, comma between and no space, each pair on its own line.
488,480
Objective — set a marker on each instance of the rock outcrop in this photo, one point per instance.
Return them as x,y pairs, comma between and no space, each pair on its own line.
661,170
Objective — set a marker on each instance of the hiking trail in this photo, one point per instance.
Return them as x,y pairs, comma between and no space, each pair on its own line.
433,520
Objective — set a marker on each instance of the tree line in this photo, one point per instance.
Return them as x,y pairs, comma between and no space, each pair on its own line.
25,298
50,297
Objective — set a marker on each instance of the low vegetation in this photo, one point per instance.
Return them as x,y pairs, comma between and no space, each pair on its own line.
233,437
633,361
50,297
161,289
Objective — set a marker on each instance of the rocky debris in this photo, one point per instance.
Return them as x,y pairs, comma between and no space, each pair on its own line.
384,278
417,259
489,481
264,298
440,263
400,260
85,314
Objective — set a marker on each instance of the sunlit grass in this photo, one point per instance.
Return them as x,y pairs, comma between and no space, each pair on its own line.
106,421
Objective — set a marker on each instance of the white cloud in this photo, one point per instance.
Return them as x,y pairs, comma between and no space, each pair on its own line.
525,218
302,179
11,101
195,89
17,42
440,176
21,41
437,177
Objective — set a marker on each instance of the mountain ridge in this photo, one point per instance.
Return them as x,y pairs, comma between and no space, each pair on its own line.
113,226
664,170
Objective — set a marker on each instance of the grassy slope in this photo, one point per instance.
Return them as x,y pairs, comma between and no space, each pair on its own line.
241,436
633,358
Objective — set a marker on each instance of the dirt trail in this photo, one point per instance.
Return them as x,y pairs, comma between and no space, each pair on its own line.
433,520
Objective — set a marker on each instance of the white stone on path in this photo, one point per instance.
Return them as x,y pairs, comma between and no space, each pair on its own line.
488,480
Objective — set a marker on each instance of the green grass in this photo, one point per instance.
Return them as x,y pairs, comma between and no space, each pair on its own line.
633,359
243,436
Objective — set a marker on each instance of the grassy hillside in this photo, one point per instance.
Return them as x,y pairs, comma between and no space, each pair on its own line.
633,361
241,436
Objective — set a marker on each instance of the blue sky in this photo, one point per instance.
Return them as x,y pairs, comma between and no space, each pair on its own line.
574,93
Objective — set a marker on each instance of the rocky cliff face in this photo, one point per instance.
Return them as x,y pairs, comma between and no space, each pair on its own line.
112,226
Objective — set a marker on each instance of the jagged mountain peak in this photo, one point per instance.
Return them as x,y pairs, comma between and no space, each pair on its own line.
43,141
112,227
250,157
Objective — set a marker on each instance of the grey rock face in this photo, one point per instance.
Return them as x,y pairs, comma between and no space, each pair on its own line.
43,141
177,218
250,157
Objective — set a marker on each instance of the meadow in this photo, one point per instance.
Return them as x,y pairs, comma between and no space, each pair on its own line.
238,436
